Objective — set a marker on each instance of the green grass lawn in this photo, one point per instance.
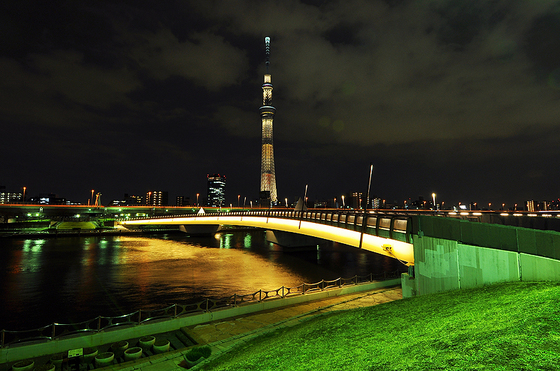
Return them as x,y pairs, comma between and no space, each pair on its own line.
514,326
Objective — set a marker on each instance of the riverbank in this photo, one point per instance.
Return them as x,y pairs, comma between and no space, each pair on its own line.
509,326
223,329
84,233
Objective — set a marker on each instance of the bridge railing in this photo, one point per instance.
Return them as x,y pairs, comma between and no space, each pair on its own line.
394,225
101,323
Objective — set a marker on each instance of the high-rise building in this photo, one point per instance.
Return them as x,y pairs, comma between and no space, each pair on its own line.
216,190
157,198
268,176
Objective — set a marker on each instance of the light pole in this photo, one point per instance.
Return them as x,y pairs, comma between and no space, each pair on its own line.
286,199
343,203
434,200
91,199
364,216
23,199
238,197
198,194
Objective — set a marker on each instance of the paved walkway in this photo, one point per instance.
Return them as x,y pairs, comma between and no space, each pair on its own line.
222,336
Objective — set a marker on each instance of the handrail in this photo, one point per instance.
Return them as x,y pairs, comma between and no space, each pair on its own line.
100,323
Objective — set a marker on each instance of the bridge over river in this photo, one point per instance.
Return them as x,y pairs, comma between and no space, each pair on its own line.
444,250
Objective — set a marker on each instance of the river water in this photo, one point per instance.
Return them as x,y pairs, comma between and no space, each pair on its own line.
72,279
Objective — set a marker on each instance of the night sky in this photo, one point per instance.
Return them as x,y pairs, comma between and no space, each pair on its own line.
460,98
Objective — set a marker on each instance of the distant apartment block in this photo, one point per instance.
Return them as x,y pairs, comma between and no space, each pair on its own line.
10,197
182,201
157,198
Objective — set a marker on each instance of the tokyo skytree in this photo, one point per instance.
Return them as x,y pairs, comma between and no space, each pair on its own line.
268,176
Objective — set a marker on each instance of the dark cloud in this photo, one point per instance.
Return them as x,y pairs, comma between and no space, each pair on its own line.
459,98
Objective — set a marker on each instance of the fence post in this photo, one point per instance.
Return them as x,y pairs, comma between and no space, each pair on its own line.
260,295
355,279
370,277
282,292
234,300
139,316
53,330
175,313
98,323
303,288
207,304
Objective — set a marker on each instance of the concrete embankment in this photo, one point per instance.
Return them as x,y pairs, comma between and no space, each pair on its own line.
14,353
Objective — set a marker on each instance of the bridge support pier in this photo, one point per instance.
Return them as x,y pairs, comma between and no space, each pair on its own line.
199,230
292,240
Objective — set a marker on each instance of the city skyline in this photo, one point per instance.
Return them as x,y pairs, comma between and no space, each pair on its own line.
443,97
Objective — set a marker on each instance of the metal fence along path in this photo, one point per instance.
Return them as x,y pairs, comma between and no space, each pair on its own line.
101,323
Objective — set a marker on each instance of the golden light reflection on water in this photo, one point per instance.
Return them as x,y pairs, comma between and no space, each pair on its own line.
185,266
73,279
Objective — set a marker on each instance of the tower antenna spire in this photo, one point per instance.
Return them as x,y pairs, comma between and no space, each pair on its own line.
267,53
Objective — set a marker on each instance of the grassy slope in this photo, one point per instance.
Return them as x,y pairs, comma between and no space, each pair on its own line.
511,326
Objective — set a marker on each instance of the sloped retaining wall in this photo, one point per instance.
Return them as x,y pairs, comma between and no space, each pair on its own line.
442,264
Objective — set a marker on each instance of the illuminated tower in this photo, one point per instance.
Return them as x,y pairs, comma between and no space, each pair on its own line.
268,176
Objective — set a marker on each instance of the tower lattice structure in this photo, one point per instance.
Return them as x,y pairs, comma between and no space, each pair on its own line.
268,176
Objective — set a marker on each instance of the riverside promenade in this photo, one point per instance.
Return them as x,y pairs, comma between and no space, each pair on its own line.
222,336
225,334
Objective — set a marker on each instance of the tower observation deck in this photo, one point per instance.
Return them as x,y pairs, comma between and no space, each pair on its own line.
268,176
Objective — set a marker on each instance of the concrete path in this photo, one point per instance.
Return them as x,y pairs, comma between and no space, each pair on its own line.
223,336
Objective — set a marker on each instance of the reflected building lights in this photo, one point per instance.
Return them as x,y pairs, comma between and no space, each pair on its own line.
247,241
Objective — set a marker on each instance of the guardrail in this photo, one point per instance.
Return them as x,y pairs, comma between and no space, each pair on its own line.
101,323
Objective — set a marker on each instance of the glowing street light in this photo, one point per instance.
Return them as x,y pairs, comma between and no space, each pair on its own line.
238,197
286,199
91,199
434,200
343,203
198,194
23,199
